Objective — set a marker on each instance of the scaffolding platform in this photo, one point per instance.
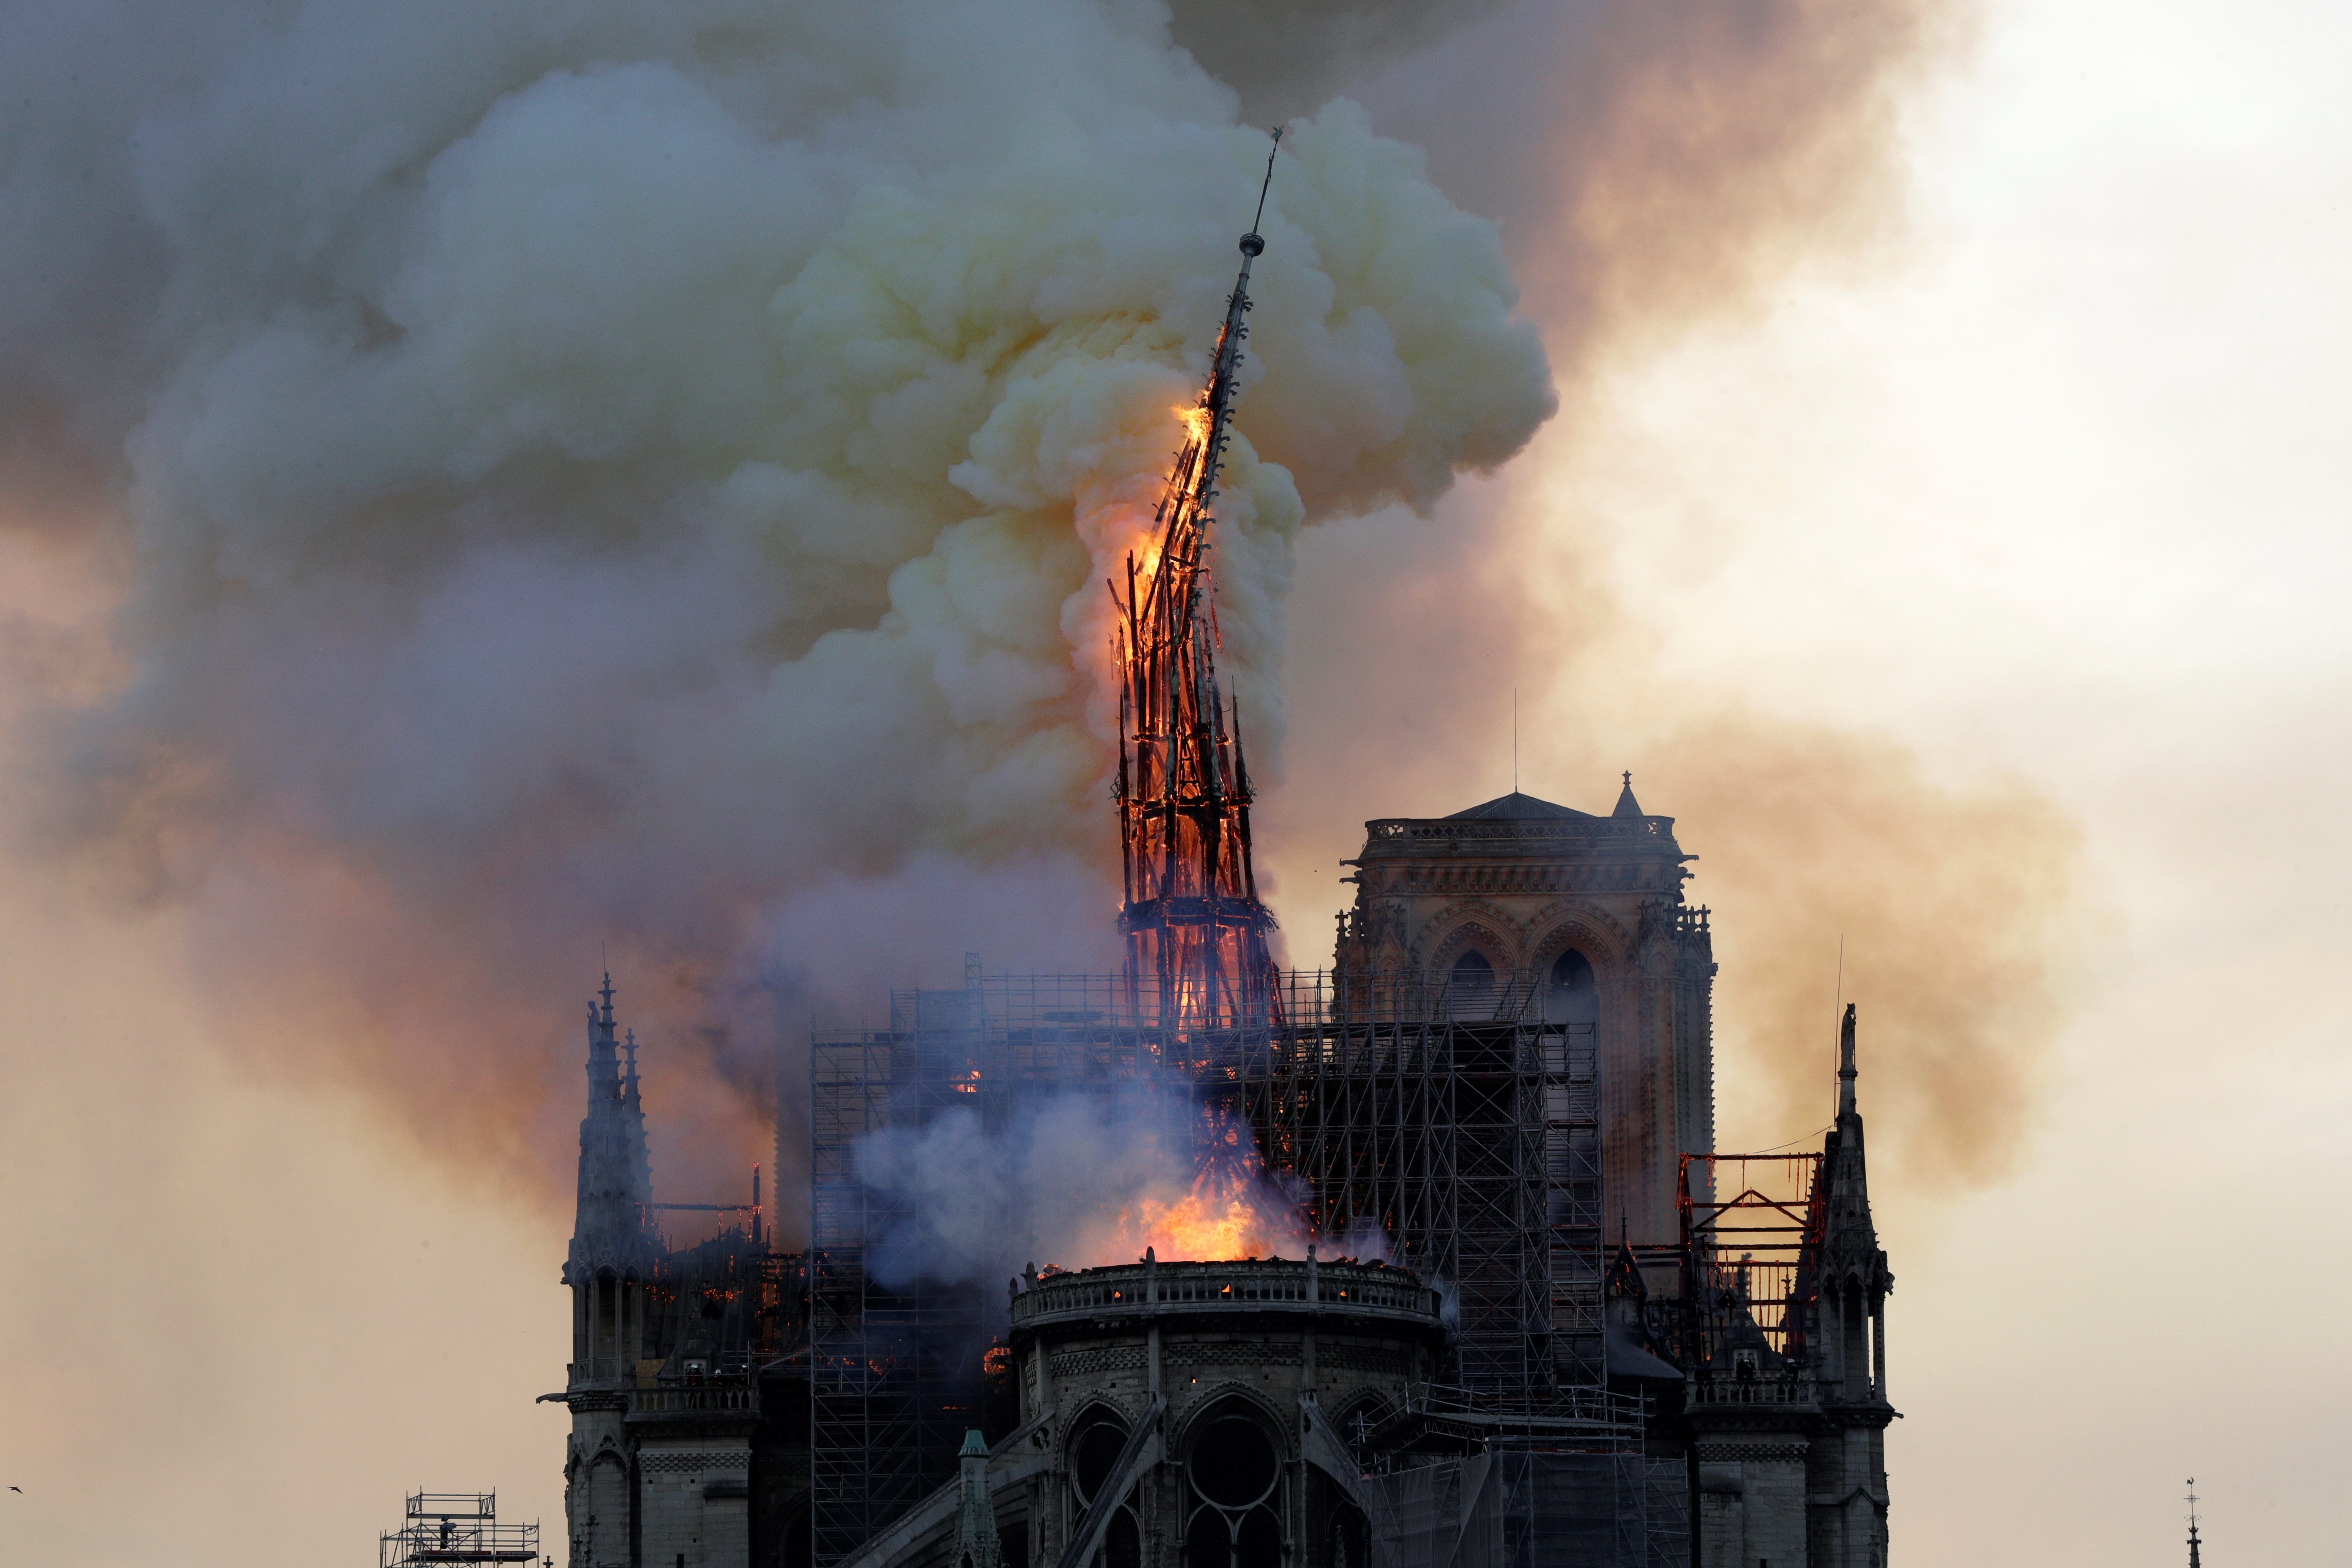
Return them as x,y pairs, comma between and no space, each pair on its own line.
456,1527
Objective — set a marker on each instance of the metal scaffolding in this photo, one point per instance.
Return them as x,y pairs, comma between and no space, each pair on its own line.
1517,1505
1461,1122
444,1527
1466,1128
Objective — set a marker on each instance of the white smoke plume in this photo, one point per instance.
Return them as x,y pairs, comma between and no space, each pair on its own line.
1073,1179
644,474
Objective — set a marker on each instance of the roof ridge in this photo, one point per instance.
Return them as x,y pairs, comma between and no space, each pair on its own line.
1516,804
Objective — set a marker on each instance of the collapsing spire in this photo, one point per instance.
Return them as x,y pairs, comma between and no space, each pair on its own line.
1196,934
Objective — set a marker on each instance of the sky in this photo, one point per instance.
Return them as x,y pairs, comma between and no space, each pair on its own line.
2040,481
2060,490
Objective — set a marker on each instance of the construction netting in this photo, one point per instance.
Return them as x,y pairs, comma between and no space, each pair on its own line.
1531,1508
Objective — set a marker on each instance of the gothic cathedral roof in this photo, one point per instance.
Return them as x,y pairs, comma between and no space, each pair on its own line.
1519,807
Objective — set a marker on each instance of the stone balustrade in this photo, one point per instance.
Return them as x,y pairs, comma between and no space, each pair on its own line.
1176,1288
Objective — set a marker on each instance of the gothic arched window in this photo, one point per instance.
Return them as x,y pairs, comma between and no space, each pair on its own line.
1233,1493
1092,1455
1472,985
1572,997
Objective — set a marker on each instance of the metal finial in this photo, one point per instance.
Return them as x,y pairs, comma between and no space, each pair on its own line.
1266,188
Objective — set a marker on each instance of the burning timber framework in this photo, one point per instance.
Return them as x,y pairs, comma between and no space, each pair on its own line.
1196,931
1464,1125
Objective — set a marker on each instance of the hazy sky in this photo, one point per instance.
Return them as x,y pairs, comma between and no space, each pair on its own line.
2063,491
2046,484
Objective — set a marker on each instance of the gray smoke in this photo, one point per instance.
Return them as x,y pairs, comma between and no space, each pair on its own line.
1080,1178
633,474
1073,1179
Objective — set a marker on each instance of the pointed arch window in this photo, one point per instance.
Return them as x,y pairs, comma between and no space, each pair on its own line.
1471,985
1571,994
1234,1494
1093,1454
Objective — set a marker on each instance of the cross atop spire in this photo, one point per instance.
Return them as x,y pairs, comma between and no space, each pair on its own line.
2192,1524
1260,216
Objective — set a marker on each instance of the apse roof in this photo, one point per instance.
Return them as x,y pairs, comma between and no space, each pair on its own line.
1518,806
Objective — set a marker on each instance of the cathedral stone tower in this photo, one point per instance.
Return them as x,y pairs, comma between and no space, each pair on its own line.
673,1370
1521,903
611,1263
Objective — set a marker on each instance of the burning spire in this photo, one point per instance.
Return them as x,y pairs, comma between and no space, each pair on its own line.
1196,934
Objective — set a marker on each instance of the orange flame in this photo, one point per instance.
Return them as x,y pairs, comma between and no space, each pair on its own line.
1225,1214
1143,535
1195,419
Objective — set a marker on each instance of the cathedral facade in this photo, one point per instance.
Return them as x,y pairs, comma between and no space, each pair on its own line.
1587,913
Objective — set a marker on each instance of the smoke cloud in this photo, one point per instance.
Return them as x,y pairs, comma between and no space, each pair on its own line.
1078,1180
1960,908
629,473
641,478
1775,131
1287,57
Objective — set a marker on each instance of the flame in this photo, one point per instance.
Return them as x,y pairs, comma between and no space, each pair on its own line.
1227,1213
1195,420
